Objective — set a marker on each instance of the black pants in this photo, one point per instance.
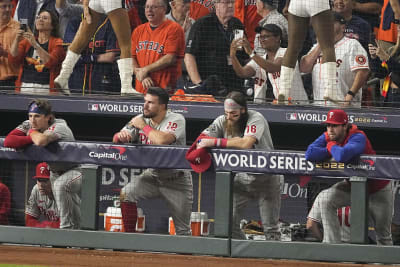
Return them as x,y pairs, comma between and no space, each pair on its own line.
8,84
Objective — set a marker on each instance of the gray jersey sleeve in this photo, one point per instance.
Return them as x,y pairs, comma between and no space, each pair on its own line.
32,207
61,130
255,126
216,129
175,124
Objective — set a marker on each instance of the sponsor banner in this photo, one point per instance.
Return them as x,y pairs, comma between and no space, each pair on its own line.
208,111
317,116
169,157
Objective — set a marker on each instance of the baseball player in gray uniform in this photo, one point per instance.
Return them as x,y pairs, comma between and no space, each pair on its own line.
314,221
159,127
247,129
41,129
41,203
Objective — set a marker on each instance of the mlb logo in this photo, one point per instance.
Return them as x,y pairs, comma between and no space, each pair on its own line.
93,107
291,116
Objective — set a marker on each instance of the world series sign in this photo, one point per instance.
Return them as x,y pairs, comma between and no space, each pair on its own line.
170,157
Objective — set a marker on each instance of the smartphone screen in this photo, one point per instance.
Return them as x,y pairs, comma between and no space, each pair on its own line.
238,34
23,24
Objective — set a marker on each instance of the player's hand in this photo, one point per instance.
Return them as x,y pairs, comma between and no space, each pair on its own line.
147,83
28,35
86,14
381,53
124,136
372,50
347,100
205,142
137,122
141,73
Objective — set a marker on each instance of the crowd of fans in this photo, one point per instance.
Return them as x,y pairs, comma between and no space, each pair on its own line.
192,45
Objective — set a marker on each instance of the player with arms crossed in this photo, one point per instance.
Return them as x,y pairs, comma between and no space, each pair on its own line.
300,12
344,142
119,18
157,126
41,129
42,202
247,129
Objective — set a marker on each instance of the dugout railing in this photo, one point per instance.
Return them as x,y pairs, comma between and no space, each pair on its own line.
372,117
283,162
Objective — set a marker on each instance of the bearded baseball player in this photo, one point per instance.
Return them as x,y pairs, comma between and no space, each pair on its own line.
92,11
351,67
247,129
41,129
300,12
41,203
344,142
157,126
158,47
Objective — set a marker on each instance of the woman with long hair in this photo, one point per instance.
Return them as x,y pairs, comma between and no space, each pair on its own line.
39,55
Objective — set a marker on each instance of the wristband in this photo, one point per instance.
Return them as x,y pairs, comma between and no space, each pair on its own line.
147,129
253,54
220,142
351,93
116,138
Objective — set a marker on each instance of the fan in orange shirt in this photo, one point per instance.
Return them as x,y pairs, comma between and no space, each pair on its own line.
157,49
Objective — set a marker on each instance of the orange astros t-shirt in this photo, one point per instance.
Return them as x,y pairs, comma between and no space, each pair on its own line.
149,45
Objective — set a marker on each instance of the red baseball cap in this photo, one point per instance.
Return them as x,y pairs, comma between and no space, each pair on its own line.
199,159
42,171
336,116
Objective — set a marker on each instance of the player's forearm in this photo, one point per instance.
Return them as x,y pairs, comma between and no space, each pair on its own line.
396,8
240,142
162,63
267,65
14,47
370,8
359,80
161,138
17,139
238,68
191,67
41,139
